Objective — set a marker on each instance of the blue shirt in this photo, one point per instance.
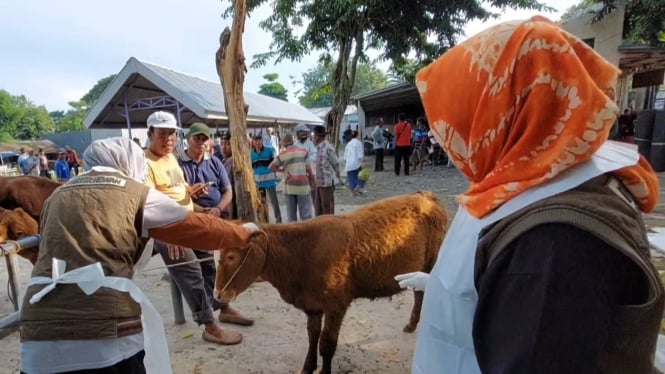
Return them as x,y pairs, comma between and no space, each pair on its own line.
62,170
23,163
210,169
264,177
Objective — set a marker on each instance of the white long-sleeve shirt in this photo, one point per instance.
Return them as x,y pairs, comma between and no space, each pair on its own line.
353,154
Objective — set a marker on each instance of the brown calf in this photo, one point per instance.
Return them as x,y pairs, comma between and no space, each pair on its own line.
321,265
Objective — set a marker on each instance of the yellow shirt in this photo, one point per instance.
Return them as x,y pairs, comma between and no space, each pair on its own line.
165,175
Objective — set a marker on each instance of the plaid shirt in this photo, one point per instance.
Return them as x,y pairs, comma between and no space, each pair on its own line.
326,164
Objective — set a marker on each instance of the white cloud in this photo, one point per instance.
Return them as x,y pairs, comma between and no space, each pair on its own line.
55,51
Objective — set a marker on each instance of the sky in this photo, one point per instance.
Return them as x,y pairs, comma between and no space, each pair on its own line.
53,52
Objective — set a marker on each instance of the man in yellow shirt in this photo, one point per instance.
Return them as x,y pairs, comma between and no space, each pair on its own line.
195,280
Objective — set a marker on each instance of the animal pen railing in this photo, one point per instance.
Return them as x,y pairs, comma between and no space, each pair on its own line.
9,250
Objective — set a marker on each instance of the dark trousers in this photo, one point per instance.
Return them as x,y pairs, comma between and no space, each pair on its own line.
196,282
324,202
402,154
131,365
378,159
75,166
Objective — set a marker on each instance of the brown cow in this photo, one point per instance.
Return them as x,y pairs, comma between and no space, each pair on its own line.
27,192
15,224
321,265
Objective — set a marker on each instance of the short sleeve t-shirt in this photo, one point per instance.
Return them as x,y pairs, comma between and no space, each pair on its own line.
165,175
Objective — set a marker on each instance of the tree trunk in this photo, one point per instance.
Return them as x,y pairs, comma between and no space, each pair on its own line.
343,81
230,61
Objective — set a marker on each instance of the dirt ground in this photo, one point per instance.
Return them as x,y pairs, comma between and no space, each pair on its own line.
371,340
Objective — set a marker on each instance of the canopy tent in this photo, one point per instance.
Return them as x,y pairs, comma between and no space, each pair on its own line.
47,145
142,88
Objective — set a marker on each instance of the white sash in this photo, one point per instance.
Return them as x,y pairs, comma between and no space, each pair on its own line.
445,343
89,279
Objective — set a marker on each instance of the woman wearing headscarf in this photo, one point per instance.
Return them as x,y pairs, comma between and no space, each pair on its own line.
545,268
82,312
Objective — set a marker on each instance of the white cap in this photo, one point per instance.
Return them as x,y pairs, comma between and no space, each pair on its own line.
162,120
302,127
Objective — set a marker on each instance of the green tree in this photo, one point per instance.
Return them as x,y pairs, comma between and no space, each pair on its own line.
96,91
644,20
20,118
73,118
317,83
273,88
347,28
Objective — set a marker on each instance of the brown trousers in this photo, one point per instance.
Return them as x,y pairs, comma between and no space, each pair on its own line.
324,200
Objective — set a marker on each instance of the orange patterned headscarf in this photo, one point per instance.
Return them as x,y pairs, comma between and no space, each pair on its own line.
518,104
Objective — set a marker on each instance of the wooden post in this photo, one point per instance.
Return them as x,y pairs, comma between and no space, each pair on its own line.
230,61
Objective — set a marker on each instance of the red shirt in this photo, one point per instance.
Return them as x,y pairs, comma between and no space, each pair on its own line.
403,134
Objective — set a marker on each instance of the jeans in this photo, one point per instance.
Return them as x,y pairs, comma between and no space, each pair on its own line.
299,204
196,282
271,193
352,179
402,153
378,159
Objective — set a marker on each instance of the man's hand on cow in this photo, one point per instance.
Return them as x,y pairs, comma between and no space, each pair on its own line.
176,252
217,212
415,281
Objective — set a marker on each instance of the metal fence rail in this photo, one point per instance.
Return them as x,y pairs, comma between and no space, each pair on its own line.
9,250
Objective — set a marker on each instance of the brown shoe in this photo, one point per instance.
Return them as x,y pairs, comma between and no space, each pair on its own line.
230,315
224,337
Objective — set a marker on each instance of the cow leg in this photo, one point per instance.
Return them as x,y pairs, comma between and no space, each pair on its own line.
333,322
415,312
313,332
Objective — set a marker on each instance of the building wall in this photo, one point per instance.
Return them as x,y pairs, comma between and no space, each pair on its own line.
607,34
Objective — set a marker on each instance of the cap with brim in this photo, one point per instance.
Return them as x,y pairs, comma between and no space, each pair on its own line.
162,120
320,130
199,128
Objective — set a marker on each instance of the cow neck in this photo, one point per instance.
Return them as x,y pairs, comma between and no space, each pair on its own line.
278,255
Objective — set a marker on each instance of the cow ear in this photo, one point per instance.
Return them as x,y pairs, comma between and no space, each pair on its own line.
19,210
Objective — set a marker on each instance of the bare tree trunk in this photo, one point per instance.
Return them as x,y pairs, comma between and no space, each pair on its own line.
230,61
343,81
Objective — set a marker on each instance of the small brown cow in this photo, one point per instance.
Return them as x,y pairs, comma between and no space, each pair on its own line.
15,224
321,265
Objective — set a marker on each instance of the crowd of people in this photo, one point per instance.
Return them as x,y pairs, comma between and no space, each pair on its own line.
37,164
544,269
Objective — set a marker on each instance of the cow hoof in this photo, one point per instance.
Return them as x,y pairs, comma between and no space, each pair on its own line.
303,371
409,328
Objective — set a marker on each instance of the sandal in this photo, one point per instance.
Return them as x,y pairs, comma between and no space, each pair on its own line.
227,338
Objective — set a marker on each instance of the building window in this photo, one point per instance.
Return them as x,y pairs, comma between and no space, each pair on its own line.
590,41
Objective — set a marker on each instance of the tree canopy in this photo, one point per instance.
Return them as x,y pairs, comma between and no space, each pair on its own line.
420,29
21,119
317,83
273,88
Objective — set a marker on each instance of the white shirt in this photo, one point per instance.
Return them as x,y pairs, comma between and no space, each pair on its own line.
46,357
353,155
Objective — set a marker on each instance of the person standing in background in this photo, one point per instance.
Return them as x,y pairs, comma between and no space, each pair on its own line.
379,144
402,144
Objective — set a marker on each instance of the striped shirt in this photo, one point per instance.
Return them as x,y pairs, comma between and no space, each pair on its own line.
294,161
264,177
